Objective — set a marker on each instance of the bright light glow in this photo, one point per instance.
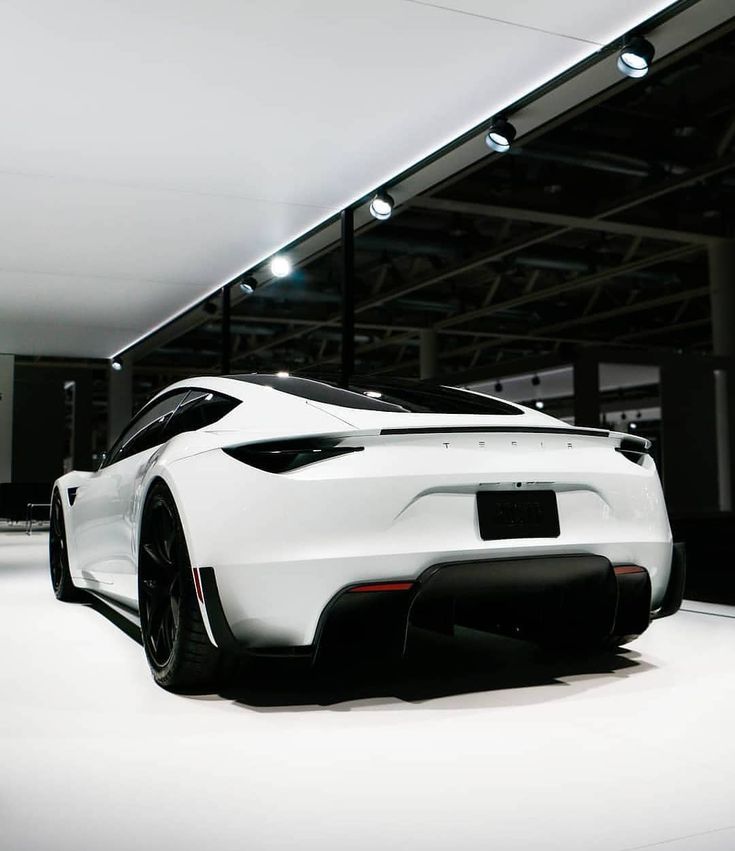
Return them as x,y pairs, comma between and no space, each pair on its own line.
634,60
539,404
116,364
373,394
282,374
634,426
280,266
381,206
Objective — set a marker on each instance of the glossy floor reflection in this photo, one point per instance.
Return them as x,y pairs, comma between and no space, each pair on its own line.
480,743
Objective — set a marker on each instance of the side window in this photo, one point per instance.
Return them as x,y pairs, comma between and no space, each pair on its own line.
199,409
146,429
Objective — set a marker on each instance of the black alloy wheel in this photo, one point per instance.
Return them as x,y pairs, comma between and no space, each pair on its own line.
179,652
64,588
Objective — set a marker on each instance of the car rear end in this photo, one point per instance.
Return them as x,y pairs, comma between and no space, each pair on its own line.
434,516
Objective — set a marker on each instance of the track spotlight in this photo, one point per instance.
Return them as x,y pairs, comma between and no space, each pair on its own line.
381,207
539,404
635,58
116,364
500,135
247,285
633,426
280,266
535,381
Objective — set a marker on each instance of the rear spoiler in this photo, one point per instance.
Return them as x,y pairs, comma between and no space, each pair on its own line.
593,432
628,441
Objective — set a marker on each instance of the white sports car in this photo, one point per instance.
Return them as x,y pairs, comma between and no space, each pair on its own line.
283,515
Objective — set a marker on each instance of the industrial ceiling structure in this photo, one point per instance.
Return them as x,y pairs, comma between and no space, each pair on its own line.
586,234
142,167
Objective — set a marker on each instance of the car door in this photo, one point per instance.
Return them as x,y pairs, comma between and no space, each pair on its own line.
103,508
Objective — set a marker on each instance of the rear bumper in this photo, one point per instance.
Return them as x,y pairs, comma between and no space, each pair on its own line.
570,598
561,599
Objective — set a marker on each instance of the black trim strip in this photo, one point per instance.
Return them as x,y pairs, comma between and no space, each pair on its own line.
677,580
589,432
213,604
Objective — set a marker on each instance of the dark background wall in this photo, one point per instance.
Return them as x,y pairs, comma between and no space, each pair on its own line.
38,426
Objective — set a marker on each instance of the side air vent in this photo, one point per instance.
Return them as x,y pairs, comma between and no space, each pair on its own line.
283,456
634,449
72,494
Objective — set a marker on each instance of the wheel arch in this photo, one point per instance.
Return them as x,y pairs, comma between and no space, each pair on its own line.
163,476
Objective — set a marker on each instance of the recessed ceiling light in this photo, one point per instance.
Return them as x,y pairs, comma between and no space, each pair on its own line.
381,207
500,135
636,56
248,285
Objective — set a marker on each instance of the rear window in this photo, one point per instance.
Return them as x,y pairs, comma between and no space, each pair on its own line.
397,396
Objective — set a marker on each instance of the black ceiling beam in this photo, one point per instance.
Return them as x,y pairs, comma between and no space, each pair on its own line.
537,295
520,214
636,307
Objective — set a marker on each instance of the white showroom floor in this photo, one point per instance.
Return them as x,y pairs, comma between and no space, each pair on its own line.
492,747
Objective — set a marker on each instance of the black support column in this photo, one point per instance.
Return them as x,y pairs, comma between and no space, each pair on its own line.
226,331
428,354
38,425
689,436
83,412
722,300
348,296
119,400
586,391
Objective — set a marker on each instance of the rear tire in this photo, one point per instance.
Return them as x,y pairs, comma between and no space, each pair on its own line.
179,652
61,582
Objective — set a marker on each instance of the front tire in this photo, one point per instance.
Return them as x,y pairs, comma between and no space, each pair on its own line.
61,582
179,652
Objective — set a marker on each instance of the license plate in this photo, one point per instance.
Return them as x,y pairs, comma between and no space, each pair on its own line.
517,514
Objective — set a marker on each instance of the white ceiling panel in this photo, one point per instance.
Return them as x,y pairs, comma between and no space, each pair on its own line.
599,22
158,149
